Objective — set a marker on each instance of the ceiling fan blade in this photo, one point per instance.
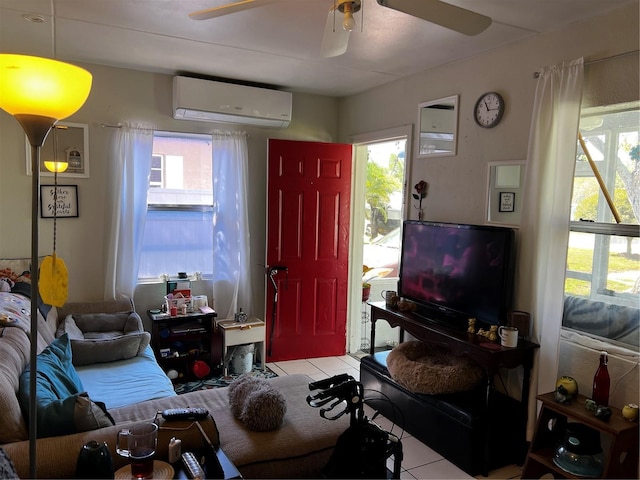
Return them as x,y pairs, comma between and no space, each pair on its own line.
233,7
335,39
441,13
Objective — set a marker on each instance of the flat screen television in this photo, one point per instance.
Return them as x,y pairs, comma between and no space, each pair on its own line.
454,272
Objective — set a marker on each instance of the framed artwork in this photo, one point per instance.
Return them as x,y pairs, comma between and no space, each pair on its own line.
66,141
65,205
507,202
505,185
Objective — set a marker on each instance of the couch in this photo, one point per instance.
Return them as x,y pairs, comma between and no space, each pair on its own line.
297,449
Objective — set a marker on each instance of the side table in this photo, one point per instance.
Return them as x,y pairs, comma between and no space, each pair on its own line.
236,333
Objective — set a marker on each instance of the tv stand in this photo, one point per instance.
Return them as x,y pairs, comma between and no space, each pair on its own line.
490,356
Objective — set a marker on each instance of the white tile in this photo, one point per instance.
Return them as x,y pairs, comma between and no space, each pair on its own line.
354,362
406,475
328,363
292,367
417,454
276,369
441,469
319,376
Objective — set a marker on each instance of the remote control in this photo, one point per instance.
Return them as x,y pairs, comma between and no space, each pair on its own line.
191,413
192,466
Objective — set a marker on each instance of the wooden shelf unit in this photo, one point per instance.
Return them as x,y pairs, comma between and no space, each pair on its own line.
620,447
195,331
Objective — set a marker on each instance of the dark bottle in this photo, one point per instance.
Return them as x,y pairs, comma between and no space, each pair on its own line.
601,382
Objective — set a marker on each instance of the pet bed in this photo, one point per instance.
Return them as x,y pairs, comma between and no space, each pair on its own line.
431,369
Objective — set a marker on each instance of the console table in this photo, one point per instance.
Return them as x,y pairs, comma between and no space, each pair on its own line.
490,356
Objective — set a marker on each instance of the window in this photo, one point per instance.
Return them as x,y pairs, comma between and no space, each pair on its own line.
603,261
178,235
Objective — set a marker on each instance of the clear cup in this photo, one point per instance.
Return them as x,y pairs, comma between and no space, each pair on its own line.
141,442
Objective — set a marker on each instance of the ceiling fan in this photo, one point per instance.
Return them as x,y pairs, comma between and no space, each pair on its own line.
336,39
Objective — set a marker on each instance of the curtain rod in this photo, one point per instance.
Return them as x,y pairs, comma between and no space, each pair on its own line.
603,59
106,125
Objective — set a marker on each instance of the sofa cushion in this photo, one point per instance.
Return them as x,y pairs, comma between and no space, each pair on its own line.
62,406
100,338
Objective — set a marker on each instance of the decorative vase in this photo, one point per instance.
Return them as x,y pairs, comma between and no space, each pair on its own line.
94,461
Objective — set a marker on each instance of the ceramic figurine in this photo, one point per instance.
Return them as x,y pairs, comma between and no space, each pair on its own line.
472,326
602,412
561,395
569,383
630,412
493,333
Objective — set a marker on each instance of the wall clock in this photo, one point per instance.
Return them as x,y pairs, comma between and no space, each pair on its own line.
489,109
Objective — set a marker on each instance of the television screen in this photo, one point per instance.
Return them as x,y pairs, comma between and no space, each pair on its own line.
455,272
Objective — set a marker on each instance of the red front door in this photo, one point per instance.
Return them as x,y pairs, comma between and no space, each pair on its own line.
308,214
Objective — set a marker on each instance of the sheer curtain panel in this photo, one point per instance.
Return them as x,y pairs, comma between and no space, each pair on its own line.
231,256
128,179
544,229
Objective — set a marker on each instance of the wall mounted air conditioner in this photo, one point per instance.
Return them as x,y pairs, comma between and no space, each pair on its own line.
210,101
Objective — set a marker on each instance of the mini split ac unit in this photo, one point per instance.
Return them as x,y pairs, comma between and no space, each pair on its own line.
209,101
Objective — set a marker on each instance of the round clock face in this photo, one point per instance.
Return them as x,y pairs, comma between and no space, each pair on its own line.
489,110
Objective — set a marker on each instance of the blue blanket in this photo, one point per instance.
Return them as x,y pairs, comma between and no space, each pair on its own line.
125,382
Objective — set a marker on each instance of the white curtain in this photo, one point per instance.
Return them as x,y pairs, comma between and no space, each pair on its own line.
130,167
544,229
231,256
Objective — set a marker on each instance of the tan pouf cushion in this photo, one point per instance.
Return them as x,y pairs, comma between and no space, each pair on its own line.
431,369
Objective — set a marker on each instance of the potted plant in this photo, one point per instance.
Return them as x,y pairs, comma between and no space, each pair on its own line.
366,286
369,273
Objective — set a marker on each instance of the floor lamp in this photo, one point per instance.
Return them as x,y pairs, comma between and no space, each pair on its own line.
38,92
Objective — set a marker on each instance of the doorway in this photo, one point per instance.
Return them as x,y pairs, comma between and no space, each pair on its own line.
381,173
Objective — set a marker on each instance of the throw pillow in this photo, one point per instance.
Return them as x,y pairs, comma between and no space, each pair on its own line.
62,406
256,403
89,415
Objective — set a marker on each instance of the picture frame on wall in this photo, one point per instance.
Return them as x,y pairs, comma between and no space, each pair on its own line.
505,185
66,141
507,202
64,206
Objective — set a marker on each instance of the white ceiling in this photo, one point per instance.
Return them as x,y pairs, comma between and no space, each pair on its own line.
277,44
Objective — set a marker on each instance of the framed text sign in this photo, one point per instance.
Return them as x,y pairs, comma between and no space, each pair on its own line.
64,204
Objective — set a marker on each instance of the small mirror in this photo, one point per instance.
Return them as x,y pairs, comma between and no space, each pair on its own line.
438,121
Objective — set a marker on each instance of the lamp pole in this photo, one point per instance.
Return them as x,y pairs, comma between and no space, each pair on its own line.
38,92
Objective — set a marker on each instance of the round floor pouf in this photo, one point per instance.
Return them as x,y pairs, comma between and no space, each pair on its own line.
424,368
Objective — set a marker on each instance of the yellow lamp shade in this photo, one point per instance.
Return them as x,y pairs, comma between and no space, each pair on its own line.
54,166
41,86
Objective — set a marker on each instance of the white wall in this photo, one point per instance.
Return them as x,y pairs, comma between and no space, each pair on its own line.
120,95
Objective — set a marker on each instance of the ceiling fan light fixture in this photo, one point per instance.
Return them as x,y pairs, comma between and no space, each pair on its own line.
348,8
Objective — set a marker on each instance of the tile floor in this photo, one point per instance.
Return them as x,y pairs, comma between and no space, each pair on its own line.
420,462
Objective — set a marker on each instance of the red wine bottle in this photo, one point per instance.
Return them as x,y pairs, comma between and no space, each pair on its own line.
601,382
